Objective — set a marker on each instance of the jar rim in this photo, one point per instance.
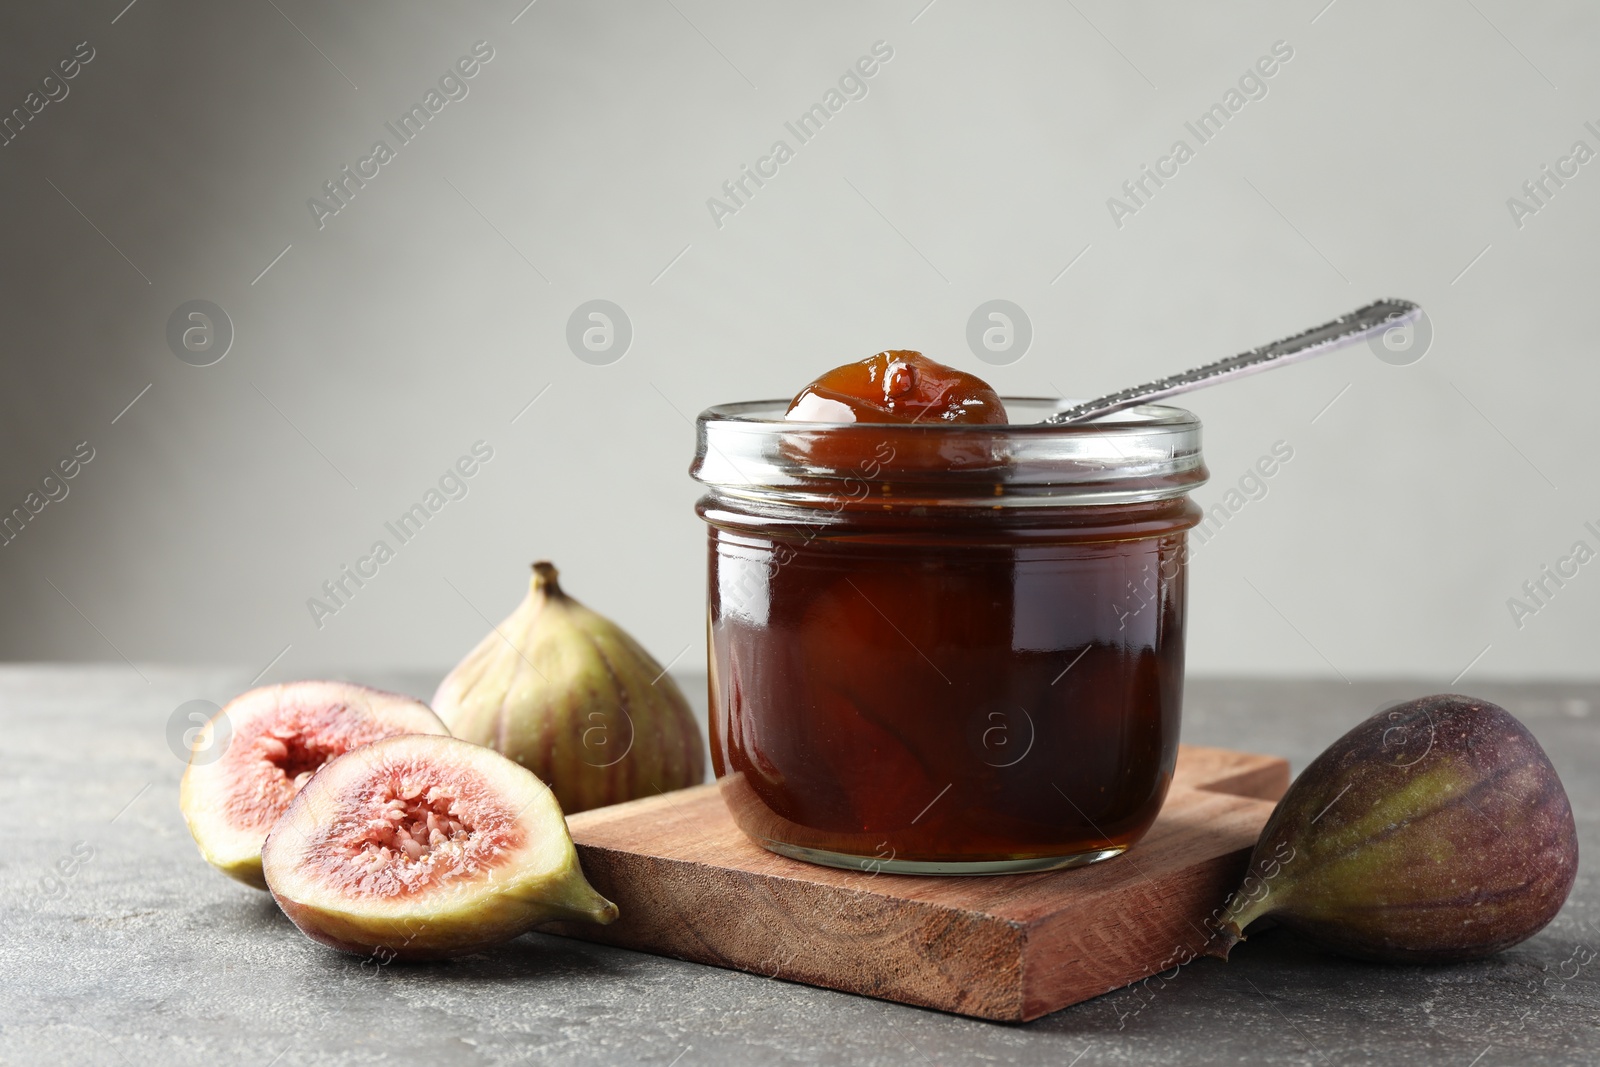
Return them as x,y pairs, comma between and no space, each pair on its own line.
1138,416
1145,453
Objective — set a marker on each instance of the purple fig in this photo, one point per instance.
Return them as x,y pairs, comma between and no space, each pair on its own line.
1434,831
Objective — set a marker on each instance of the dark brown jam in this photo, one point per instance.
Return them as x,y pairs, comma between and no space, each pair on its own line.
930,666
897,386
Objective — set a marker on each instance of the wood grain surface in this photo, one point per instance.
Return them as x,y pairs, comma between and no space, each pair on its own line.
1011,947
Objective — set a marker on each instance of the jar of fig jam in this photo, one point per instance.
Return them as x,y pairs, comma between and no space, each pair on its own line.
946,648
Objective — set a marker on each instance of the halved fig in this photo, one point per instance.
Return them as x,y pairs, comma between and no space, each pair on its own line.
272,740
418,848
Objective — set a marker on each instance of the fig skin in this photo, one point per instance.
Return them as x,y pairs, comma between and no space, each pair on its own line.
1435,831
230,802
466,899
568,694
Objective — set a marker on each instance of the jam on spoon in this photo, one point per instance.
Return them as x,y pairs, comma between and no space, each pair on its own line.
897,386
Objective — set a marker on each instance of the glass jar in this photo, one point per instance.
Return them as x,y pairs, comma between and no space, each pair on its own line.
944,648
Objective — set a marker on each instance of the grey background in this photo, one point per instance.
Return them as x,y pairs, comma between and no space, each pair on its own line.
429,312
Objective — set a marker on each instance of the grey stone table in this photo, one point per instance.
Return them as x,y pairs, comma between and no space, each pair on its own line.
121,946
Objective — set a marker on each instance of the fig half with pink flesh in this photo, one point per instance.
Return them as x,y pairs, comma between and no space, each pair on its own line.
419,848
272,740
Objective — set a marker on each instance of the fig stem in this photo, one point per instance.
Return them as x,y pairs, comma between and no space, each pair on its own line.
544,578
1231,931
1222,942
604,914
576,900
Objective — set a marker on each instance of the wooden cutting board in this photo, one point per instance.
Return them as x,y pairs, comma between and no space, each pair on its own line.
1011,947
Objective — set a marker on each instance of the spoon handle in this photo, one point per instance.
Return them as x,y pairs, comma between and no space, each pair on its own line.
1362,323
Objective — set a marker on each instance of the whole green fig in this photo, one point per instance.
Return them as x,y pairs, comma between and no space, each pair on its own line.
1434,831
571,696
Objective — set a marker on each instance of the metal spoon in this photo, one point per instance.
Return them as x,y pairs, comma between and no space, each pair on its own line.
1358,325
